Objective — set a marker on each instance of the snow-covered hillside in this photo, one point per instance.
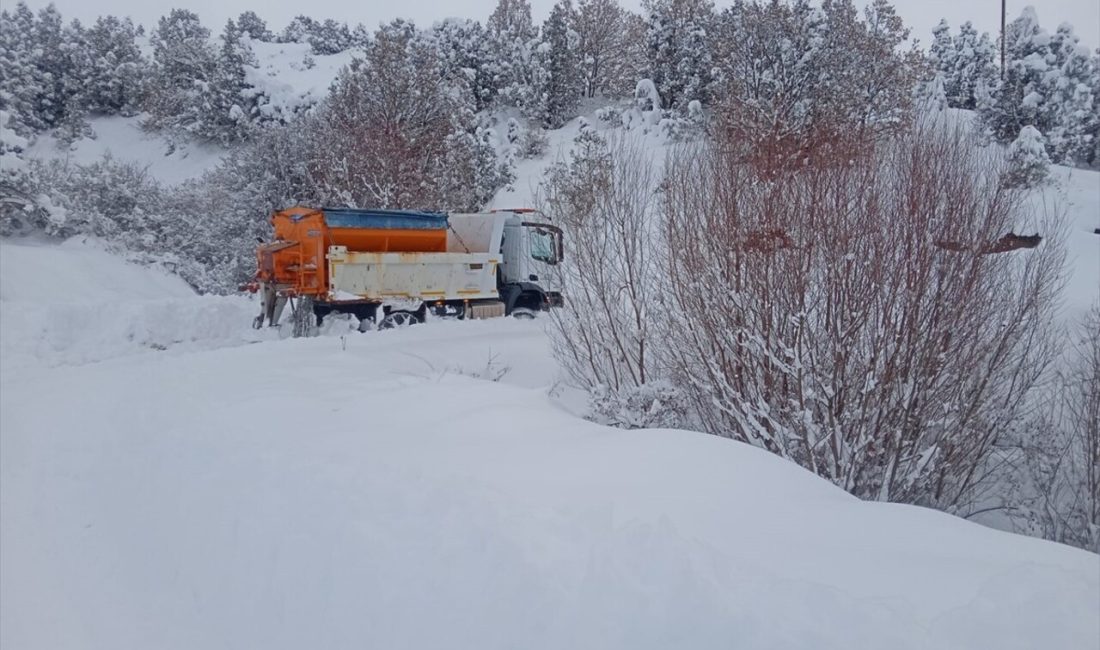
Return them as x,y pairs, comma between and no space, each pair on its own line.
381,490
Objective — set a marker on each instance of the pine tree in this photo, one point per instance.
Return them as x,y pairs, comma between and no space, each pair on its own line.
227,111
183,65
678,50
1076,122
299,29
974,65
1018,99
464,49
21,83
1028,161
942,55
50,61
250,23
330,37
559,85
512,36
77,70
116,82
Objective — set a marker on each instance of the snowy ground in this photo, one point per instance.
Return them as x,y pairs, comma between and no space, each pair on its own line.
379,490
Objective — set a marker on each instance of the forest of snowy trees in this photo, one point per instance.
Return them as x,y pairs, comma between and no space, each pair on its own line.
795,126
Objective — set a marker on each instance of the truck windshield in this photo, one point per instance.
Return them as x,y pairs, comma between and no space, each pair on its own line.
543,246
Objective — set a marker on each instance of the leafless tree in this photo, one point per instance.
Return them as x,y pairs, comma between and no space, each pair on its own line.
1056,487
604,337
812,313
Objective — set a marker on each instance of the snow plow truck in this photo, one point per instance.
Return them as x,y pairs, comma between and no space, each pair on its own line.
391,268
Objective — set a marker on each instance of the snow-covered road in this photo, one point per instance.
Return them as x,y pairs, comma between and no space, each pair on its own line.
378,491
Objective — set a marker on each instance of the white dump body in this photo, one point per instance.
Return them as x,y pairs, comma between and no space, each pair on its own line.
427,277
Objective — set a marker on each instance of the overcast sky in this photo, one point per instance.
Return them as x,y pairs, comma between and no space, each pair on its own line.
919,15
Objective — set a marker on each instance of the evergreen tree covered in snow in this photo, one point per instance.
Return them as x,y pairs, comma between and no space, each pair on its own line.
1047,83
116,83
1028,160
1074,105
183,64
21,84
512,38
974,68
464,49
227,108
256,28
678,50
942,55
556,62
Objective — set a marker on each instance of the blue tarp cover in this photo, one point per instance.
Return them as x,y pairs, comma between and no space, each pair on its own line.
384,219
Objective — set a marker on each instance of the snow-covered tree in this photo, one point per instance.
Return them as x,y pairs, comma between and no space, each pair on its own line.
256,28
1019,98
227,108
974,66
330,37
678,50
298,30
942,53
799,80
396,133
20,83
513,37
1049,83
116,83
464,49
184,63
611,48
557,83
1028,160
1069,89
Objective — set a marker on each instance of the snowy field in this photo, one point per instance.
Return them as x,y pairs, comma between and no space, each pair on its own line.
210,487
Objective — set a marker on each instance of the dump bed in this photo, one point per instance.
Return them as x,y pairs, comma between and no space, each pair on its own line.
296,263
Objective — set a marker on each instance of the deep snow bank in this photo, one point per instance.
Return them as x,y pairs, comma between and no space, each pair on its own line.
77,303
340,494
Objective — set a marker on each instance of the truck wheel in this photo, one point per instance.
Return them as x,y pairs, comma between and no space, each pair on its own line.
524,313
398,319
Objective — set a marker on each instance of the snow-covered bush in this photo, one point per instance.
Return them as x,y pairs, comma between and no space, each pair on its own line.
610,115
107,199
656,404
1028,161
532,143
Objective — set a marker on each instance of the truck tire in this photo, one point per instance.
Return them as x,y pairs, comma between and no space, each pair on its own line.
398,320
524,313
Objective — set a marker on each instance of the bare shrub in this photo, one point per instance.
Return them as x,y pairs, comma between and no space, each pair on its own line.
812,313
1056,488
603,337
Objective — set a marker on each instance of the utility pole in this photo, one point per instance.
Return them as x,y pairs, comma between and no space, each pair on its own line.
1003,39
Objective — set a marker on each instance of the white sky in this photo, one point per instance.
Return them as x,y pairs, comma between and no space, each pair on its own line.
919,15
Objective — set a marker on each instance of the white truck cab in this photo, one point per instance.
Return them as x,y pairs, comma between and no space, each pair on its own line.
531,250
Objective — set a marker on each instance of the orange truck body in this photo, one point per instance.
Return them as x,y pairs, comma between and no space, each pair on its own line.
295,261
